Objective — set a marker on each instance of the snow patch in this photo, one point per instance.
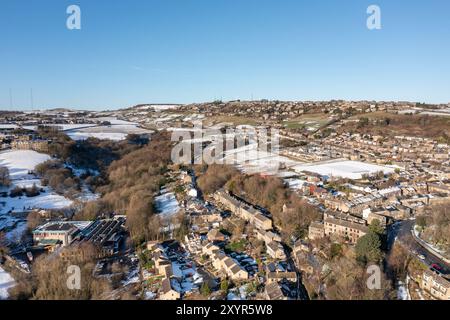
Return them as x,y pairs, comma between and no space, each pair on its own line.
6,282
166,204
21,162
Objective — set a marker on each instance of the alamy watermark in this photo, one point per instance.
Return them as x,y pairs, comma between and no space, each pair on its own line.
374,20
73,21
73,281
199,145
374,280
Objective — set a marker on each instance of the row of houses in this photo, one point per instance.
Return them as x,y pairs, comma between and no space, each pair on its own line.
36,144
26,140
243,210
263,224
219,260
163,268
436,285
273,244
224,263
345,227
401,148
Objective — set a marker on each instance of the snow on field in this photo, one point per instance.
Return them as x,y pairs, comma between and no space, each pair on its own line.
81,135
64,127
438,112
118,130
158,107
432,113
6,282
343,168
46,200
165,107
115,121
8,126
20,162
251,160
166,204
115,132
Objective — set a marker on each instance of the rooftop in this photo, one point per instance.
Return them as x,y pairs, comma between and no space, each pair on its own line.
62,226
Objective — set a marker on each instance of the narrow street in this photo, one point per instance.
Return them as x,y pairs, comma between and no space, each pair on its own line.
302,294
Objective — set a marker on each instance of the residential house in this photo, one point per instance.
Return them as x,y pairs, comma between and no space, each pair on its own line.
316,230
215,235
347,230
278,276
224,263
436,285
167,292
275,250
273,291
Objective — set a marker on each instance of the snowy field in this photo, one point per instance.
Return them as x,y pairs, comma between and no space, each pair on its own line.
46,200
343,168
20,163
250,160
8,126
6,282
437,112
115,132
64,127
118,130
115,121
166,204
157,107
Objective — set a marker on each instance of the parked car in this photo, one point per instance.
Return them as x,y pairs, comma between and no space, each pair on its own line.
435,270
421,257
436,266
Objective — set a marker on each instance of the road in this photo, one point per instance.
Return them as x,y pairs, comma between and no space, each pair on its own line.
302,293
401,231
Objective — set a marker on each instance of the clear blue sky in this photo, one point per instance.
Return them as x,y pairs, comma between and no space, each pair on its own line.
182,51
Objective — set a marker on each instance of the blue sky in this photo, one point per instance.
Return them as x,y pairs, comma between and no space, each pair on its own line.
181,51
